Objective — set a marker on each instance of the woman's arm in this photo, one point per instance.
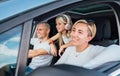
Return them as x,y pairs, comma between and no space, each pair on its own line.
53,49
64,57
63,47
53,38
52,45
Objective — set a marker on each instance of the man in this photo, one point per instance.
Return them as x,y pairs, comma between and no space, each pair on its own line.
41,53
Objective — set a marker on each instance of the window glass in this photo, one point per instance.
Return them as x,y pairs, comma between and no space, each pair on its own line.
8,5
9,45
115,73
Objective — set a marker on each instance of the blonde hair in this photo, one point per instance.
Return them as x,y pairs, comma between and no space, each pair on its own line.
91,27
66,19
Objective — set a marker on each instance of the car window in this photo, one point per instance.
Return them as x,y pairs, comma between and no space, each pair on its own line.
115,73
9,45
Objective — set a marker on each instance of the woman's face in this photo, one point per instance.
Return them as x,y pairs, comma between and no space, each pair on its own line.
79,34
60,25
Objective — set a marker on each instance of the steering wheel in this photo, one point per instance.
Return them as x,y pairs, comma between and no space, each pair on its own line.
64,70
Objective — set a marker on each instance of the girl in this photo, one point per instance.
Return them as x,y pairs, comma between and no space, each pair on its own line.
63,25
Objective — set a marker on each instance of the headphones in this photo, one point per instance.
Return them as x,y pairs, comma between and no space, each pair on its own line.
68,25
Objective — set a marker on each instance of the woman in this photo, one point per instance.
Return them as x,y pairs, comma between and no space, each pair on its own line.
81,52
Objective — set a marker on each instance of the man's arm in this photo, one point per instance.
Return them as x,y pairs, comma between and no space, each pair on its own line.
36,52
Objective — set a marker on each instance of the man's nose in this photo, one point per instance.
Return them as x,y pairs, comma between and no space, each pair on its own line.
38,31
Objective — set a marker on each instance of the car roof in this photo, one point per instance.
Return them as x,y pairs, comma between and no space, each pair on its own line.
15,7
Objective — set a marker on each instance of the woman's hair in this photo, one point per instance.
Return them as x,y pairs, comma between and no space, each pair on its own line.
66,19
91,26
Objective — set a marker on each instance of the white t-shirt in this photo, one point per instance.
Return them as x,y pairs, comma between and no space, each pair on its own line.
111,53
70,56
66,39
41,60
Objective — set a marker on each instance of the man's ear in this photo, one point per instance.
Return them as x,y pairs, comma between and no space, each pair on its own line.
48,31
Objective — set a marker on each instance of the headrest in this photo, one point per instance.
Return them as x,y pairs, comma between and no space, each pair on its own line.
107,30
103,30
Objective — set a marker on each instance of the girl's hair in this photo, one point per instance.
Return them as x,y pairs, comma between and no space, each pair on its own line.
66,19
91,26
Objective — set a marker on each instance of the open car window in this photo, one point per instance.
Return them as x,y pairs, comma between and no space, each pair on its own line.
9,46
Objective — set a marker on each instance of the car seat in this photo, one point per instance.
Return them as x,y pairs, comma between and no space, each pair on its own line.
103,34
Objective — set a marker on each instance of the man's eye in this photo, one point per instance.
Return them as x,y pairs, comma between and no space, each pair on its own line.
38,29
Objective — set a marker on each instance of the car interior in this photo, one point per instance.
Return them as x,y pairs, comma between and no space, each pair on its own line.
107,31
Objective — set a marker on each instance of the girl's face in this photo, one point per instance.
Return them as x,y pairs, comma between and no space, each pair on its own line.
60,25
79,34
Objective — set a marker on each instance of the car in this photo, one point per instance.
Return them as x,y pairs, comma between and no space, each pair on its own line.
18,21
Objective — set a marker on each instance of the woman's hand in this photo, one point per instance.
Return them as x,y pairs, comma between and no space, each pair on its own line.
61,50
53,50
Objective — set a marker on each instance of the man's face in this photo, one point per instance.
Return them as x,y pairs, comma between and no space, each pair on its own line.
79,34
42,31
